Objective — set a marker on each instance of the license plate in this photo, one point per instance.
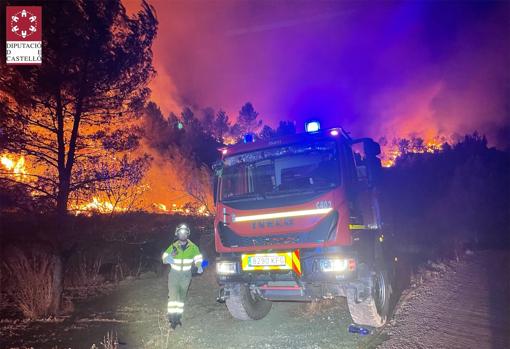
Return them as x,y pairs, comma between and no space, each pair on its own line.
255,261
267,261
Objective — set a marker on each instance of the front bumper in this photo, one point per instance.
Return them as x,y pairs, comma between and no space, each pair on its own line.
287,285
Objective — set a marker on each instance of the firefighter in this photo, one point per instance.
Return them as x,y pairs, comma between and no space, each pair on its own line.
182,255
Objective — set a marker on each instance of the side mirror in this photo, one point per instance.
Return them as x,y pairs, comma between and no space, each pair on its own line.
369,167
215,189
371,148
218,171
218,168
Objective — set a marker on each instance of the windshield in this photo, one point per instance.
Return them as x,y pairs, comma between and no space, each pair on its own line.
280,171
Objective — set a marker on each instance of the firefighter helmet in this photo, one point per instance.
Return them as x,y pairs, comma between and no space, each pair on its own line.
182,229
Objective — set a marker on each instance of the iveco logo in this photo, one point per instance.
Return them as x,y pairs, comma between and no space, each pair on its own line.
282,222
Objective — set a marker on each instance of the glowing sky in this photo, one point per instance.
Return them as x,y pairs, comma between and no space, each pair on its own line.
375,68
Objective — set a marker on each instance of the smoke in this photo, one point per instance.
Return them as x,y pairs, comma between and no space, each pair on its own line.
392,69
385,69
461,85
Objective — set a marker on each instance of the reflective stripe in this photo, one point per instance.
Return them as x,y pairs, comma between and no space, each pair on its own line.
198,257
175,307
284,214
179,268
164,256
183,260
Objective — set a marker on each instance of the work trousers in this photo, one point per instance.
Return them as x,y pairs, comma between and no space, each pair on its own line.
178,284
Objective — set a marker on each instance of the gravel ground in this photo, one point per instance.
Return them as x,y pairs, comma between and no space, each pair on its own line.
466,306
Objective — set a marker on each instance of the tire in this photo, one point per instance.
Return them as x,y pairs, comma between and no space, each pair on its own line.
374,310
243,305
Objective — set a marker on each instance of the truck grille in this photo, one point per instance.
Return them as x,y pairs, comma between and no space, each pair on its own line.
324,231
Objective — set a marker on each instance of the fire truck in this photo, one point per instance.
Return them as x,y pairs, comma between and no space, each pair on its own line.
298,219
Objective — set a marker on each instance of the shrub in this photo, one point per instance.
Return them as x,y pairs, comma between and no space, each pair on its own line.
30,276
83,270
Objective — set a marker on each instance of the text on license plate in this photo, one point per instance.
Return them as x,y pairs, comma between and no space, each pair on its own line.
255,261
267,261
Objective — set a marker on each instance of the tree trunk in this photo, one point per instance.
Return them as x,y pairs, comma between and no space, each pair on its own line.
62,197
57,285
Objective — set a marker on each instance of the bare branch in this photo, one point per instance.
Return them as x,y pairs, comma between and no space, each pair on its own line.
28,185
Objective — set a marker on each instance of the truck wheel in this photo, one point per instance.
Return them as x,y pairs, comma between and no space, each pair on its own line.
373,311
244,305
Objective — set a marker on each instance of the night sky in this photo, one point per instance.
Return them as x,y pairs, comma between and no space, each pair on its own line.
375,68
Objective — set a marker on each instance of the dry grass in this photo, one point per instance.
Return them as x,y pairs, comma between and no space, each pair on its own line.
83,270
30,280
162,339
109,342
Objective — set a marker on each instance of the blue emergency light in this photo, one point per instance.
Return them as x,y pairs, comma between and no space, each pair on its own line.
312,126
248,138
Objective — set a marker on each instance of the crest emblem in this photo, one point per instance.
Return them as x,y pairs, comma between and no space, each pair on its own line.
24,23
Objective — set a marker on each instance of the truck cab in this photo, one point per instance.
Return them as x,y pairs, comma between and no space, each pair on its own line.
298,219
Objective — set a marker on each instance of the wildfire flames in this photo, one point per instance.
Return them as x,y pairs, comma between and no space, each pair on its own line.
14,167
392,152
96,206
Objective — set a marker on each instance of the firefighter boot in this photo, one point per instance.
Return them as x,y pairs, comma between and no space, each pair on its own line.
175,321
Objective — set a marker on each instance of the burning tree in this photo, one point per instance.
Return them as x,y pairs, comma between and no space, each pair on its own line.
120,192
73,117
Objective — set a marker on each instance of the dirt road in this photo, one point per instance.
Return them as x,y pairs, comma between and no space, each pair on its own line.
135,312
208,324
468,307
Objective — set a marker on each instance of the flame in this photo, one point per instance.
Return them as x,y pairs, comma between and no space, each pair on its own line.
161,207
202,210
230,140
96,205
392,152
15,167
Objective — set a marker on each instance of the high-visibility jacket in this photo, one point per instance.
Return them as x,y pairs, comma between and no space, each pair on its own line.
183,259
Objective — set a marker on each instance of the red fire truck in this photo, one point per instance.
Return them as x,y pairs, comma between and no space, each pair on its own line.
298,220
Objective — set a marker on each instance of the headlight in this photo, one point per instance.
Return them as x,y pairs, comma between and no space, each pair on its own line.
336,265
226,267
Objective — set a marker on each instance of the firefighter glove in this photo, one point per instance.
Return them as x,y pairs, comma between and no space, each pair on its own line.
167,259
